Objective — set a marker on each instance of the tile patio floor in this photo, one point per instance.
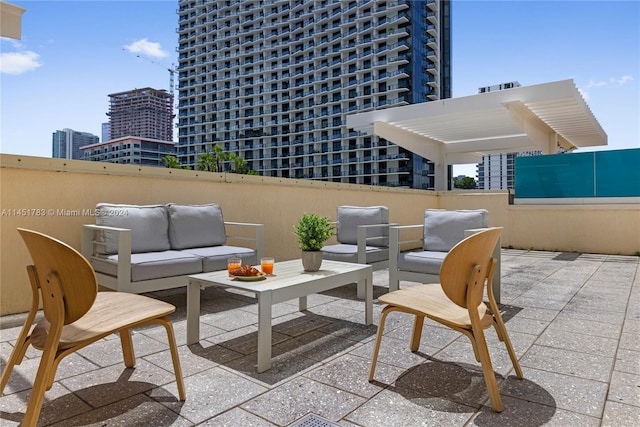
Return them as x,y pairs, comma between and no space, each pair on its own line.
574,320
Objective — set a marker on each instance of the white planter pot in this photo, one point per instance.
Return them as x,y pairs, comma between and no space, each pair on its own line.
311,260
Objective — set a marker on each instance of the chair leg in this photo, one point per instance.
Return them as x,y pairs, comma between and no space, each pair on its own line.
41,383
24,339
474,345
417,333
487,371
127,348
177,369
17,354
394,281
376,348
501,330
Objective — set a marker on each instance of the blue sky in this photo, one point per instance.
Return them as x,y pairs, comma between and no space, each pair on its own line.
74,53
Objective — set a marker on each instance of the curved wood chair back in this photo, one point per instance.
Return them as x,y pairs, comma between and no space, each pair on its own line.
56,261
457,272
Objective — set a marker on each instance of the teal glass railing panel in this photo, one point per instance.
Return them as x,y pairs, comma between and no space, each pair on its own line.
618,173
554,176
614,173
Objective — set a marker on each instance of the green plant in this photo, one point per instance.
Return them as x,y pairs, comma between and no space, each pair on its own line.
312,231
637,253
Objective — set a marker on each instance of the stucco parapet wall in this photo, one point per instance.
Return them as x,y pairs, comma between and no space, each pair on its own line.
105,168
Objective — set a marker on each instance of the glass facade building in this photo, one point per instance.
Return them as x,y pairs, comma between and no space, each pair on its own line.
273,81
66,143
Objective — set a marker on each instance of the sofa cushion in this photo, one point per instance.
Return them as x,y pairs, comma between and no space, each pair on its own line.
195,226
350,217
214,258
151,265
428,262
149,226
349,253
443,229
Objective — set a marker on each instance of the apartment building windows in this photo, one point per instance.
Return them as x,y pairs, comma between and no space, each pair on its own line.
337,51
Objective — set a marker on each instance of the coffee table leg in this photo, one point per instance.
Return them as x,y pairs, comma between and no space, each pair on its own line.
368,297
302,303
193,313
360,290
264,331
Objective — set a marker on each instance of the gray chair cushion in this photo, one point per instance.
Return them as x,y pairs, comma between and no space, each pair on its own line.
350,217
349,253
421,261
195,226
443,229
151,265
149,226
214,258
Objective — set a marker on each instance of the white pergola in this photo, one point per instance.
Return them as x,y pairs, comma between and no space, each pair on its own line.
11,20
461,130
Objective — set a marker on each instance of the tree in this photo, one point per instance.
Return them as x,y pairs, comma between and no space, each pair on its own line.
465,182
207,162
171,162
214,162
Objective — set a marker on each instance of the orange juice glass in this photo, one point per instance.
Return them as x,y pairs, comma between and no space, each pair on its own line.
233,263
266,265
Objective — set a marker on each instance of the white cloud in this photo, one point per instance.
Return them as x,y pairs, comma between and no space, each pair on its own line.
624,79
146,47
18,62
613,81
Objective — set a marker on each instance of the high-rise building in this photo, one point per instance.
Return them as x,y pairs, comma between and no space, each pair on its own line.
143,113
106,132
66,143
273,81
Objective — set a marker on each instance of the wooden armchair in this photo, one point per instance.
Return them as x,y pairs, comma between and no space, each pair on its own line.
76,315
456,302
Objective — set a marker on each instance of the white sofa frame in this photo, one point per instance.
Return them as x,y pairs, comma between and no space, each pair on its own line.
122,282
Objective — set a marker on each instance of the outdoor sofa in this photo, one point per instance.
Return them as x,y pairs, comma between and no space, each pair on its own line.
145,248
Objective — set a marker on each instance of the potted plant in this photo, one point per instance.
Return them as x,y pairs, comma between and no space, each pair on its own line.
312,231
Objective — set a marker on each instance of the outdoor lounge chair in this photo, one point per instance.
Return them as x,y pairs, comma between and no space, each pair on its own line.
76,315
456,302
440,231
362,234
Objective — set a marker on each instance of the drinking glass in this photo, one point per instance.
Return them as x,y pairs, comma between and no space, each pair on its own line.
266,265
233,263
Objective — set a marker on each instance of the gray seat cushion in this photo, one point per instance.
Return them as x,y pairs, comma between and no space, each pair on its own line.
195,226
214,258
443,229
421,261
151,265
350,217
349,253
149,226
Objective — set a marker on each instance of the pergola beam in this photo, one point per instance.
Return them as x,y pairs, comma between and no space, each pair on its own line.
11,20
418,144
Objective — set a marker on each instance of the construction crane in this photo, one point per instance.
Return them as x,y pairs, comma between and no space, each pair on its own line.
172,71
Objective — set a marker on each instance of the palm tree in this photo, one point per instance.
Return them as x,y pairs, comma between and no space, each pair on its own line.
171,162
207,162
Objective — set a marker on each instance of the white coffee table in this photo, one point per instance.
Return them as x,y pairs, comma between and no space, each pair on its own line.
290,282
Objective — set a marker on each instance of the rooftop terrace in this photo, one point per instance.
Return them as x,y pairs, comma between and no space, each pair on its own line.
574,320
